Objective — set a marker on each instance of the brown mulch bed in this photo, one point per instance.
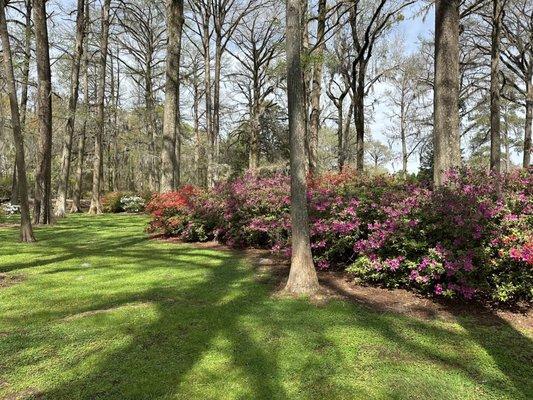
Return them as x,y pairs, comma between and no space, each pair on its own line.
339,285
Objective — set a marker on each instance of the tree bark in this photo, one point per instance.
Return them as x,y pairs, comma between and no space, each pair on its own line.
200,177
346,134
316,91
96,204
24,90
302,277
529,122
78,191
359,116
208,101
26,231
447,145
14,186
43,175
151,127
171,122
26,64
495,85
341,157
216,105
64,174
255,128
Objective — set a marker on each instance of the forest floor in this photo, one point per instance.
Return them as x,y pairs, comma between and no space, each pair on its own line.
98,310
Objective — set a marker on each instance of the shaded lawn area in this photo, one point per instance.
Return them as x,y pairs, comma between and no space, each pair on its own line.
98,311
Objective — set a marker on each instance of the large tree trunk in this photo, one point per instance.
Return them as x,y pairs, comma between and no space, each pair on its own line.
346,132
171,123
24,90
64,174
28,34
78,191
359,116
151,127
447,144
495,133
216,106
26,232
255,129
341,157
302,277
14,186
208,103
43,176
529,122
200,178
96,204
316,91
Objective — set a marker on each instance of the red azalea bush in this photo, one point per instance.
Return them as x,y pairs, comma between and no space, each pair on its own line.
460,239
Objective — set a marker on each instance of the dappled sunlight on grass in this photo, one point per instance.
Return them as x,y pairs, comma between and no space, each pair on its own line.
103,312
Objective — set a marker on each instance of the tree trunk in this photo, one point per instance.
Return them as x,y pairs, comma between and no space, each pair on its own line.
24,89
28,33
255,129
171,123
64,174
26,231
359,116
78,191
506,141
96,204
447,143
316,90
150,125
200,178
43,176
340,135
495,115
216,105
529,122
208,102
346,134
14,186
404,150
302,277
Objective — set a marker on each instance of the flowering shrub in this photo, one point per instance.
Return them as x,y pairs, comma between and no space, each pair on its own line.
10,209
460,239
116,202
132,204
111,202
457,240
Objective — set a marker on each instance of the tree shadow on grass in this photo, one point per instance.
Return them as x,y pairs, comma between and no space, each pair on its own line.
192,319
227,311
510,349
161,354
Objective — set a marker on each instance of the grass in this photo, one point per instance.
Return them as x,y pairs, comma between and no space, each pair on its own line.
100,312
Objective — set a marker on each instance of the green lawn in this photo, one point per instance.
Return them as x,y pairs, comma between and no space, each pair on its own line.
104,313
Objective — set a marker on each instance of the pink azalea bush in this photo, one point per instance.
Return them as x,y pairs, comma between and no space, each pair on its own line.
460,240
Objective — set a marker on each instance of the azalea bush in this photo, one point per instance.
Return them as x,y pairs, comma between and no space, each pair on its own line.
460,240
132,204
